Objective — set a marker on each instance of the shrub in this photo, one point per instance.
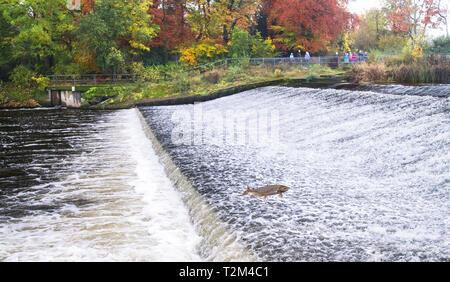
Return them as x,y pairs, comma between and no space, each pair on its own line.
212,77
441,45
369,72
233,72
115,61
429,70
392,42
262,48
181,84
41,82
96,92
143,73
240,44
277,73
202,52
22,77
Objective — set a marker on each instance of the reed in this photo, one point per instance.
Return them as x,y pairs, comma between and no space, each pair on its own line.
433,69
426,70
375,72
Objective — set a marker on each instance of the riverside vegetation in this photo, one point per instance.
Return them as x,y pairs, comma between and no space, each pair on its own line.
162,41
157,82
409,66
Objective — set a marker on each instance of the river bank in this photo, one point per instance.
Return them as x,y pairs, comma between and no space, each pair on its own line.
183,87
323,81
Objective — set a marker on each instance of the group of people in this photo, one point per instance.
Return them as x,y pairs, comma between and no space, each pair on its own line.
349,57
307,56
353,58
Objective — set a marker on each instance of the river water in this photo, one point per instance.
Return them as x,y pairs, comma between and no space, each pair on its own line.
369,173
87,186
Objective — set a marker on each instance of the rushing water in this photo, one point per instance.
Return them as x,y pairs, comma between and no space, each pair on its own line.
87,186
369,176
369,173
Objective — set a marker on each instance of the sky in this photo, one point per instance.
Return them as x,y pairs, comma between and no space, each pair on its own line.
361,6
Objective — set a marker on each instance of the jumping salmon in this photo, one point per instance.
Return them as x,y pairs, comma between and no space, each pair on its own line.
267,191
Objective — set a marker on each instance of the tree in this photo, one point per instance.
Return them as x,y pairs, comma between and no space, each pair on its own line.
443,14
38,31
87,6
169,15
373,32
7,32
114,61
262,48
241,44
217,19
202,51
235,14
306,24
202,18
413,17
114,24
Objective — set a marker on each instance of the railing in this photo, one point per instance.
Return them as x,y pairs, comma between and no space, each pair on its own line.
325,60
91,79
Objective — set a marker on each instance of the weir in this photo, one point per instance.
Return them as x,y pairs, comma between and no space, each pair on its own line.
368,171
218,242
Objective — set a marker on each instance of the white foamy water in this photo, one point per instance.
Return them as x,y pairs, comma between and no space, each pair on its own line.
118,204
369,172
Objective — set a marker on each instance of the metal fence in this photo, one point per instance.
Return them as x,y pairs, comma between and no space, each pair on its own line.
91,79
332,61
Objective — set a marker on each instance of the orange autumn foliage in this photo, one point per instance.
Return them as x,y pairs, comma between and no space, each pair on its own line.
87,6
306,24
406,16
169,15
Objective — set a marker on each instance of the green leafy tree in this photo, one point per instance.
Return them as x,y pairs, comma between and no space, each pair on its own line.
6,34
122,25
262,48
240,44
115,61
38,31
372,27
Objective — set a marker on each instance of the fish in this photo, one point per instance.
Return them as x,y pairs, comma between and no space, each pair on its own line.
267,190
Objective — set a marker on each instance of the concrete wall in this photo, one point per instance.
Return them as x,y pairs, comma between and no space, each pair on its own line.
65,98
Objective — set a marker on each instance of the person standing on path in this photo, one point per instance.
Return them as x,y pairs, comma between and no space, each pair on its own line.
307,57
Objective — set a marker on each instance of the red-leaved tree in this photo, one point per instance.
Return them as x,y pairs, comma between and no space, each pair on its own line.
413,17
169,15
306,24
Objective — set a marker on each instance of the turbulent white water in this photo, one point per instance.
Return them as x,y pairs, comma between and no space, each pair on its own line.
369,175
119,204
369,172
